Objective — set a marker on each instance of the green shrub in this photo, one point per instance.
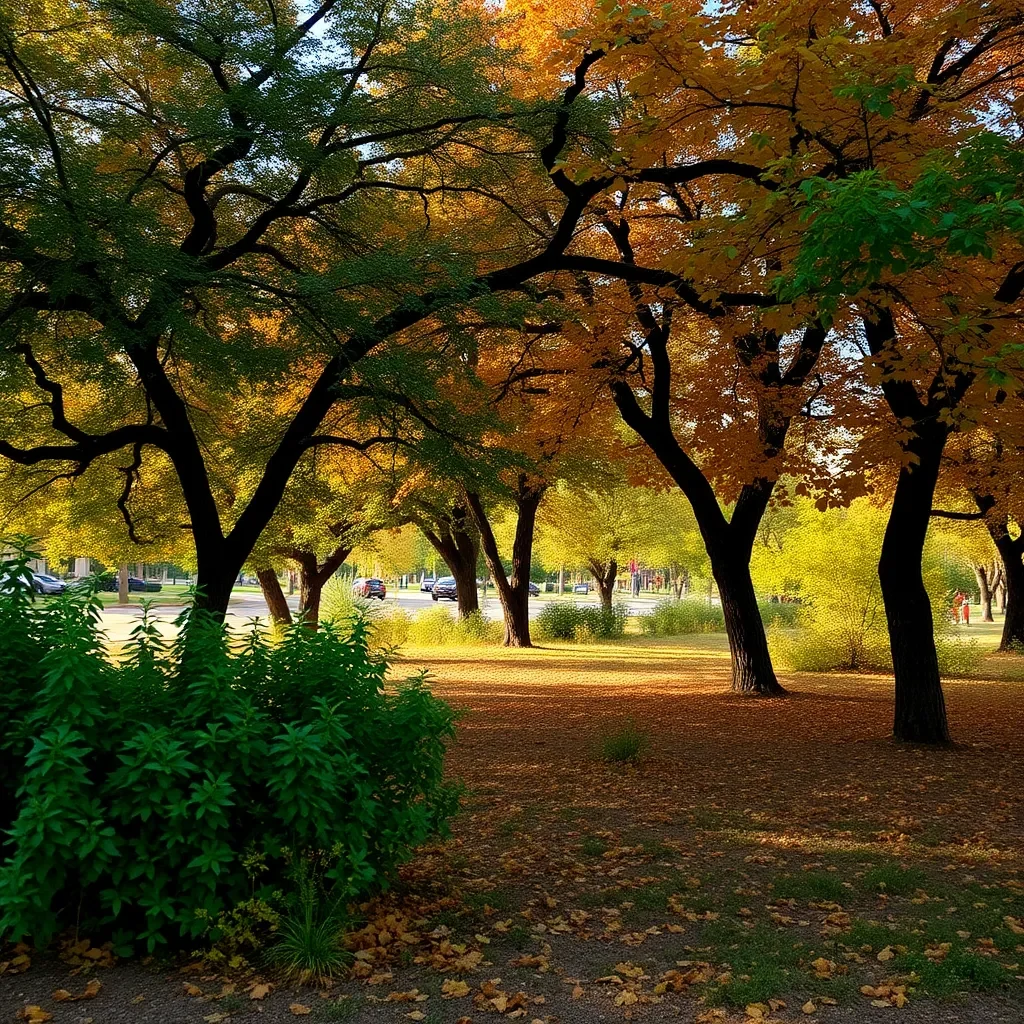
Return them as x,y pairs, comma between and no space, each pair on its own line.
825,644
562,620
338,605
678,618
138,794
785,614
389,630
439,627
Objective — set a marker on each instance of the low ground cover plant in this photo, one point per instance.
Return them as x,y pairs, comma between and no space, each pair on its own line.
148,797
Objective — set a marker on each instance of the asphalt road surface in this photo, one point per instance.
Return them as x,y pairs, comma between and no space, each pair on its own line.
245,606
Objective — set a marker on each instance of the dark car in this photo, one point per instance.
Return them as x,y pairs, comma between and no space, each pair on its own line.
369,587
109,582
445,587
581,588
534,589
427,583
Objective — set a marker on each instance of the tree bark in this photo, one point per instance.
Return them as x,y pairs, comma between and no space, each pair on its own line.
606,575
313,576
981,574
920,714
277,603
514,591
1010,550
451,536
122,584
752,670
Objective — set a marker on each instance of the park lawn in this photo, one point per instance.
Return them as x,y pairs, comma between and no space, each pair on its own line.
760,851
763,859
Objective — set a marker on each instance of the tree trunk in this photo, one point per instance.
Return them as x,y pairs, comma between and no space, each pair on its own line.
277,604
606,575
122,584
981,574
313,577
1013,585
561,579
514,591
452,538
920,714
752,670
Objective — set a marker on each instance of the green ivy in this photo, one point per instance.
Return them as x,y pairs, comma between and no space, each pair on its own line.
135,791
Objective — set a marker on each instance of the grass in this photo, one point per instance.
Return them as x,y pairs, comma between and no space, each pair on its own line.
624,745
895,879
812,886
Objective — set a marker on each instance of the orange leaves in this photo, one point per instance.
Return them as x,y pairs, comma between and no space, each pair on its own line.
92,989
888,994
33,1014
19,963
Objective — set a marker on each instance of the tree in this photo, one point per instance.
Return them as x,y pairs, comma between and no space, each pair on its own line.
876,200
600,528
983,469
252,200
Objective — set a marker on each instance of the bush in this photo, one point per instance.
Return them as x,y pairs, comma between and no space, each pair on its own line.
825,645
678,618
137,795
439,627
337,604
785,614
562,620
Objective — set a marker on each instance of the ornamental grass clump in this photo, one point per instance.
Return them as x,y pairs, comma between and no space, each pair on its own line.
136,792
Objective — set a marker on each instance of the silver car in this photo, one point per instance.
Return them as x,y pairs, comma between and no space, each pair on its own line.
43,584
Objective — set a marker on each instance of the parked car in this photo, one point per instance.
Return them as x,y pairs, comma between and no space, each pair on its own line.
41,583
445,587
534,589
44,584
427,584
369,587
109,582
581,588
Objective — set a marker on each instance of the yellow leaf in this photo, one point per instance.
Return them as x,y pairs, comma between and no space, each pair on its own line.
452,989
299,1010
416,1015
756,1011
886,954
92,990
192,990
260,991
809,1006
33,1014
62,995
577,992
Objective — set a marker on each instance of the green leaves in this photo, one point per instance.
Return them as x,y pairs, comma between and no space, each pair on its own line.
140,792
865,227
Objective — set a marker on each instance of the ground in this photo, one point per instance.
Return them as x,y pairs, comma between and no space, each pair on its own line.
762,860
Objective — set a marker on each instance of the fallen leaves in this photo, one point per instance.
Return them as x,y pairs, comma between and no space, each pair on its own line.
887,994
91,991
33,1014
19,963
299,1009
453,989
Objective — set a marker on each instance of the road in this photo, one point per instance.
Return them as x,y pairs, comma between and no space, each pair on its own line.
246,606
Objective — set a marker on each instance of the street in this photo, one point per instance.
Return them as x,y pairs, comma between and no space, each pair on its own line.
246,605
